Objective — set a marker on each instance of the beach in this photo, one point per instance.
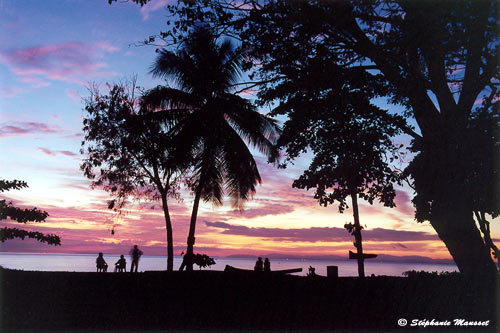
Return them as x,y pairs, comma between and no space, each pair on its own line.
215,300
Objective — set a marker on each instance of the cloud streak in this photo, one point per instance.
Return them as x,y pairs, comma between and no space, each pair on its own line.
322,234
26,128
56,152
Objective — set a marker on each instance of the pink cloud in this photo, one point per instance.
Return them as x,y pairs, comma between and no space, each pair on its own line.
153,6
34,82
25,128
68,62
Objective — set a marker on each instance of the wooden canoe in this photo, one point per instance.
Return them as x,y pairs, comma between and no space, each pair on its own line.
353,255
232,269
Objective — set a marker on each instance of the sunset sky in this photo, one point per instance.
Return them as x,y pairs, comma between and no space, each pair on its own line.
50,51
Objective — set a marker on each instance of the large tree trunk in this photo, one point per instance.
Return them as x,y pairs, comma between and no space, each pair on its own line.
455,225
451,212
168,225
357,235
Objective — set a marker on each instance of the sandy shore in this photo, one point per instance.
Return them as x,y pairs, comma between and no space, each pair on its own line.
208,300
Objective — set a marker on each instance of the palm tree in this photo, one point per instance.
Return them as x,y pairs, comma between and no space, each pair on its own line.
213,126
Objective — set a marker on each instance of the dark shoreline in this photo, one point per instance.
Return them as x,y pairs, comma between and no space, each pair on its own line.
212,300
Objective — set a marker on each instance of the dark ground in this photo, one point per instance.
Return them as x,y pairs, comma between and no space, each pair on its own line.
208,300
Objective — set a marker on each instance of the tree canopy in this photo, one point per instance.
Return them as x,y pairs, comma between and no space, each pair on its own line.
435,59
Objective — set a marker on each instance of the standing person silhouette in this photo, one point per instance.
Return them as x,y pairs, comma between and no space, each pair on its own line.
259,265
135,254
267,265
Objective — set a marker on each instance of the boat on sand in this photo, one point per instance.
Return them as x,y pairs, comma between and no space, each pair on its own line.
231,269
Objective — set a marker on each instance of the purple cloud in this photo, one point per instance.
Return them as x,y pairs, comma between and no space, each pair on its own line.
403,203
316,234
266,209
24,128
68,62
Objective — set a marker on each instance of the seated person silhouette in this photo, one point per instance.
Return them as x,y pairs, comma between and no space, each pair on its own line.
101,263
120,264
259,265
267,265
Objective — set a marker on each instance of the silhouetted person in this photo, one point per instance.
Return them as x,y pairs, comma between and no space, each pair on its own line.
267,265
135,254
259,265
121,264
101,263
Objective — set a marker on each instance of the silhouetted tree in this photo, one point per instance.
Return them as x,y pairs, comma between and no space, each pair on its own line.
436,59
215,124
351,154
127,153
20,215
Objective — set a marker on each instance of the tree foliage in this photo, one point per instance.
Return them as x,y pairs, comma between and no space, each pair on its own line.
351,153
352,150
127,152
22,215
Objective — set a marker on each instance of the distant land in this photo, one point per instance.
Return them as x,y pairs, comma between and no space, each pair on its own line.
380,258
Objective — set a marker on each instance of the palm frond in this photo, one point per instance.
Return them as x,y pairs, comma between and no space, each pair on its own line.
261,131
241,172
163,98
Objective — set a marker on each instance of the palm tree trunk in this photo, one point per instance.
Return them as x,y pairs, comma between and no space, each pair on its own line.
357,235
188,259
168,225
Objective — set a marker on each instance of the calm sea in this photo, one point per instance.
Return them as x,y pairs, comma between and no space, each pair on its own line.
86,263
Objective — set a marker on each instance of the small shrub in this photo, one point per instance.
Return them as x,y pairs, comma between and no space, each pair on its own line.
202,260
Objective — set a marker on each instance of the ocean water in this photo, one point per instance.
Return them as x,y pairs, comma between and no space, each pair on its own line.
86,263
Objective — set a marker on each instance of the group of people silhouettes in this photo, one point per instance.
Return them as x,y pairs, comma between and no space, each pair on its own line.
120,265
262,266
135,255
